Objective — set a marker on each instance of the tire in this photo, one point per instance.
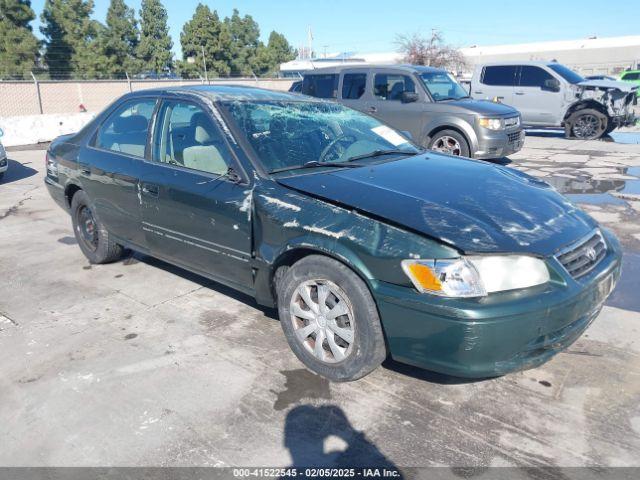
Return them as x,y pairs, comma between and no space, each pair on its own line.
587,124
363,349
92,237
449,142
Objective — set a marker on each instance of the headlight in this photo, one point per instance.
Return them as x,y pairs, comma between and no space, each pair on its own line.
475,276
492,123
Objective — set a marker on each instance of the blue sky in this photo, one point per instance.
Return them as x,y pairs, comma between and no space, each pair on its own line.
372,25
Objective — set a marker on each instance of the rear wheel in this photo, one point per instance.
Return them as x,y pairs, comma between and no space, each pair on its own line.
93,238
588,124
449,142
329,319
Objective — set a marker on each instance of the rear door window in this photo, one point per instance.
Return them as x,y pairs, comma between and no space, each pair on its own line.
391,86
353,85
500,75
531,76
125,131
320,85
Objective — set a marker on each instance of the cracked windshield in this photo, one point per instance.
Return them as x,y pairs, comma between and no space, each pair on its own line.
292,134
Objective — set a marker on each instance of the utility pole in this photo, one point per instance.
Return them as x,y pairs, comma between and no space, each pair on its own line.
204,62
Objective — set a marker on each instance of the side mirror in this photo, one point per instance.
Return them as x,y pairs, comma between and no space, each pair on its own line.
409,97
407,134
551,85
1,132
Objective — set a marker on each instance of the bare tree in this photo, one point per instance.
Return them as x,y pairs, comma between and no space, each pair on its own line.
432,51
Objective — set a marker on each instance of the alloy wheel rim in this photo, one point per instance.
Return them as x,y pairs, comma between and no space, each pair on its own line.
87,228
586,126
447,144
322,319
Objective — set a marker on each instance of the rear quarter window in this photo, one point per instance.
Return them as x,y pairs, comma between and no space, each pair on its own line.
320,85
500,75
125,130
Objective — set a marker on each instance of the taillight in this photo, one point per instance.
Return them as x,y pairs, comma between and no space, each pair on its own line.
50,165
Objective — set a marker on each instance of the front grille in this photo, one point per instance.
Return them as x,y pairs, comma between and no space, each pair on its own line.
581,257
511,122
513,137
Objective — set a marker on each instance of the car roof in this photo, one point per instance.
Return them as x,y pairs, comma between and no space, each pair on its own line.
364,66
226,93
535,63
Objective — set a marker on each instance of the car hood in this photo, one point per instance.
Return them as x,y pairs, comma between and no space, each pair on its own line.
474,206
609,84
483,107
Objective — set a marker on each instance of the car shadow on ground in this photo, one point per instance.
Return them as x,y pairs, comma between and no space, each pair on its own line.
17,171
504,161
135,257
322,436
426,375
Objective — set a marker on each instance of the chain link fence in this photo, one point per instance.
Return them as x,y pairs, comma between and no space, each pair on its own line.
72,96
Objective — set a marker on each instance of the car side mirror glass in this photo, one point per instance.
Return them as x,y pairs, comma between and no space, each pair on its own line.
409,97
551,85
1,132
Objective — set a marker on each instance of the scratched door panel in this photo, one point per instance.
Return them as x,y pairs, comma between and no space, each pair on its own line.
198,221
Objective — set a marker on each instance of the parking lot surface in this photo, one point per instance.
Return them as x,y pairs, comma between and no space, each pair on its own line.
141,363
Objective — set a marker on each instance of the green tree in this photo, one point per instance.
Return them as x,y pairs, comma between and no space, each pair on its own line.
205,32
154,49
268,58
18,45
71,39
119,40
245,41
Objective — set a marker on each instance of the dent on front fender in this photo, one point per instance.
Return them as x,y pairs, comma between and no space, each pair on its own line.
285,220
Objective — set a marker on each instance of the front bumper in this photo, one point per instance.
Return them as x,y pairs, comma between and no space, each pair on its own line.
497,144
627,120
501,333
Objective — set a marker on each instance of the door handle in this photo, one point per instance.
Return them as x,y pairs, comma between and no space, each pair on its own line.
150,190
478,92
519,93
84,169
372,109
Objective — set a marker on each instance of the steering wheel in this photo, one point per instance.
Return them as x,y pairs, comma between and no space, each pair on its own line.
333,143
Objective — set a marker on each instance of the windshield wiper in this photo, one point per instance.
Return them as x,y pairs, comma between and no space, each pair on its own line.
316,164
379,153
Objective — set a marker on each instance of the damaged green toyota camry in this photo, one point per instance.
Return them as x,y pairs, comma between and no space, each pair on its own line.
367,246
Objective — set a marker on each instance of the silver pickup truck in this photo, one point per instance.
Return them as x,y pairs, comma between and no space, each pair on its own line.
426,102
548,94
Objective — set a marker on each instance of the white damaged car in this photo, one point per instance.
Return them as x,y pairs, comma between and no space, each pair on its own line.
548,94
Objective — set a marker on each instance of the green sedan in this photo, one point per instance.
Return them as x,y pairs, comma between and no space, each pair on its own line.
368,246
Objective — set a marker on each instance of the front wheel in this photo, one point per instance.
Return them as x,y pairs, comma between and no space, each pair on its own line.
588,124
329,319
449,142
92,237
